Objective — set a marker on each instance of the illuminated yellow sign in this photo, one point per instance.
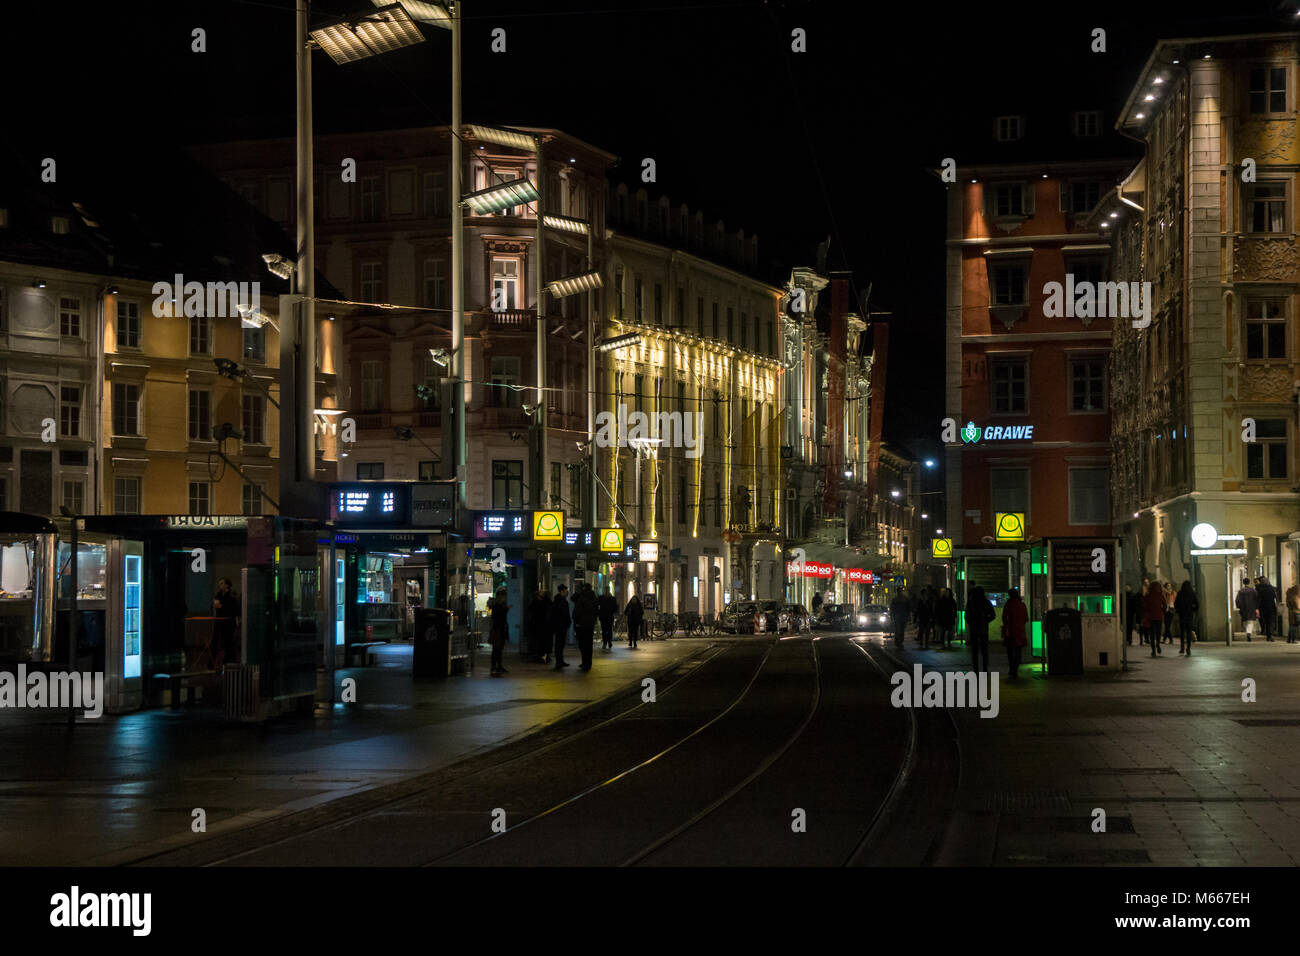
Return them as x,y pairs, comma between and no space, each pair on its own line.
1010,526
611,539
548,525
941,547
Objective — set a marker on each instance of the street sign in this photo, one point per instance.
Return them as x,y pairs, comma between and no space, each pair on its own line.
1009,526
941,547
548,525
611,540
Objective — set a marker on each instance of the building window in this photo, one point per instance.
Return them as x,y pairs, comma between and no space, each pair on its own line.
1009,199
74,496
200,335
699,315
370,471
126,496
435,194
731,325
70,317
1010,379
255,344
638,295
1084,196
556,473
1086,270
126,409
1009,128
70,411
715,320
507,485
1087,123
681,498
503,390
1266,207
1267,455
428,471
372,386
372,281
1090,496
659,304
744,331
370,199
200,498
505,284
1088,385
717,504
128,325
1010,488
1009,285
1268,89
59,225
435,283
251,499
254,420
1265,328
200,418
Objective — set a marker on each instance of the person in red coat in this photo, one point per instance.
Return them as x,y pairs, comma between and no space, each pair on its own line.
1014,618
1153,614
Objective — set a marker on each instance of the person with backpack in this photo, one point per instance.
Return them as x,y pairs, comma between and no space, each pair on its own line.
979,614
1267,606
1186,606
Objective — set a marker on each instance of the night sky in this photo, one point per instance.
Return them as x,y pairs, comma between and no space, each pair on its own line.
836,141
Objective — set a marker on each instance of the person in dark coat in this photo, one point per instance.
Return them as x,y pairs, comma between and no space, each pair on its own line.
1153,614
1015,615
606,608
1248,607
899,609
979,614
539,627
945,617
584,622
1267,607
1293,614
500,632
1186,606
634,612
559,621
924,617
225,609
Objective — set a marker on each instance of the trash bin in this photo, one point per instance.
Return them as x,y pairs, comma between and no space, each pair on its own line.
1063,631
432,642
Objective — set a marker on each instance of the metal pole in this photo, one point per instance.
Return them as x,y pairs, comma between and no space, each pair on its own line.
457,267
592,356
298,463
542,479
73,622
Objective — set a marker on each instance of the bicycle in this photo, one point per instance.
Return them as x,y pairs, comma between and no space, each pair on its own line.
663,627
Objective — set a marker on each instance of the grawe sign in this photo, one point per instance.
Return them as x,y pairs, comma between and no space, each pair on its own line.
973,434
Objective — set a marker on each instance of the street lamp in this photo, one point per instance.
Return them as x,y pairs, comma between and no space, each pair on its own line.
619,342
516,192
363,35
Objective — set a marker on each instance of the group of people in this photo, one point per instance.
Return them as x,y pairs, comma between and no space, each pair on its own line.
935,613
548,618
1157,611
1257,604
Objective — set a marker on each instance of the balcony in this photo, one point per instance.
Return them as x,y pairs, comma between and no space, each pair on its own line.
370,420
428,419
512,320
507,417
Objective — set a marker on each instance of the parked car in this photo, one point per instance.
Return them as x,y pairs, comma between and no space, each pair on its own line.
778,618
839,617
875,618
800,619
744,617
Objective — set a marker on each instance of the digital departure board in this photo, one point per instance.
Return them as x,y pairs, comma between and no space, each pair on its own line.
365,503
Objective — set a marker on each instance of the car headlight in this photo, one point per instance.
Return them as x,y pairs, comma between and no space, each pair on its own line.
883,619
862,619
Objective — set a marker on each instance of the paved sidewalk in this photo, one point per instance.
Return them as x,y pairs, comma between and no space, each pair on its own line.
1187,774
118,788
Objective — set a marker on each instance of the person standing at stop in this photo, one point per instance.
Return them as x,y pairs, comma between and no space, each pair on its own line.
560,619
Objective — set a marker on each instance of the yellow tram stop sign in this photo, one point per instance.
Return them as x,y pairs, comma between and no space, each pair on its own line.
941,547
1009,526
611,539
548,525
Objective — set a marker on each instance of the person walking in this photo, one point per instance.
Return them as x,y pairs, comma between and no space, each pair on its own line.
1293,614
539,627
1267,595
945,617
606,608
899,609
979,614
1168,589
500,632
1248,606
560,619
634,612
1186,606
1015,615
1144,626
1153,614
924,618
584,622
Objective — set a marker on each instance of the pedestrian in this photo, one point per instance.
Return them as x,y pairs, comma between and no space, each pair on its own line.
584,622
1153,613
1248,607
924,617
1267,607
606,608
559,621
1186,606
1293,614
1169,612
225,611
898,611
1015,615
633,613
945,617
500,632
1130,613
539,627
979,614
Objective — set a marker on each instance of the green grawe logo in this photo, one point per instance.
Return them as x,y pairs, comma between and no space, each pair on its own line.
970,434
